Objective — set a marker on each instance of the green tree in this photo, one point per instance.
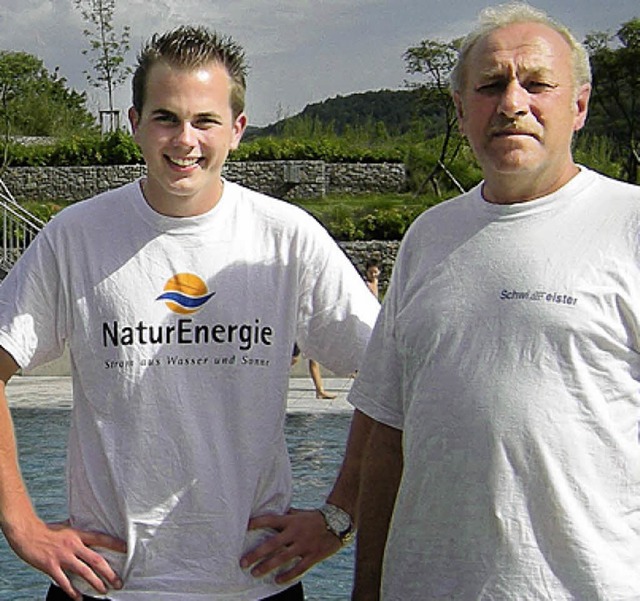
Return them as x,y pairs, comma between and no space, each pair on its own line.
35,102
433,61
107,47
615,61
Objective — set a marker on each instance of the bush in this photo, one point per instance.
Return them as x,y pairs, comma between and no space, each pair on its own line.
44,210
342,224
117,148
368,217
388,224
329,149
421,159
597,152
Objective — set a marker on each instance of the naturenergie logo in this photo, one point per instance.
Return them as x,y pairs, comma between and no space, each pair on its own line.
185,293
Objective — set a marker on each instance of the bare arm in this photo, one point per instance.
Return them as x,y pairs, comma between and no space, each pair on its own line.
304,534
52,549
346,489
381,472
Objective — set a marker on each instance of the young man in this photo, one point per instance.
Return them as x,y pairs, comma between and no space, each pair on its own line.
180,297
503,372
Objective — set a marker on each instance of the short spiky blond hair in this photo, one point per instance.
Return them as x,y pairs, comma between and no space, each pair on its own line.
496,17
190,47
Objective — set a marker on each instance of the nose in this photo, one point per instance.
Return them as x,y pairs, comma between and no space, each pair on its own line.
514,101
185,134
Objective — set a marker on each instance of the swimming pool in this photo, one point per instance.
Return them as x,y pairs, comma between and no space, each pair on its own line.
316,443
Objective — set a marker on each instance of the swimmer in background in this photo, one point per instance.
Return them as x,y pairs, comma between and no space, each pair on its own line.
314,372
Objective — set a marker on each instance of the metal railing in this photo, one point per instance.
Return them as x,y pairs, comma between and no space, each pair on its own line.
18,227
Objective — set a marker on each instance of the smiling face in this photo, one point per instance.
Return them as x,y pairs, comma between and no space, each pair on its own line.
519,108
185,131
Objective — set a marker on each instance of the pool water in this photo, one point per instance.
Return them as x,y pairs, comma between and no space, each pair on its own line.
316,443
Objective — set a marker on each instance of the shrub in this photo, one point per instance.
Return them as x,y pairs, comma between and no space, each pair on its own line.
368,217
44,210
597,152
117,148
388,224
329,149
421,160
342,225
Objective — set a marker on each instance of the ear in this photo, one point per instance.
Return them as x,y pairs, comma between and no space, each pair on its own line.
239,126
457,101
582,106
134,119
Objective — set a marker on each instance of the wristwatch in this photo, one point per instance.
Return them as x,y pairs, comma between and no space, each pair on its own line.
338,522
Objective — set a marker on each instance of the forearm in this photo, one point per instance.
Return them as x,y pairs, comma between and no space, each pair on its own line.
346,489
56,549
15,504
381,473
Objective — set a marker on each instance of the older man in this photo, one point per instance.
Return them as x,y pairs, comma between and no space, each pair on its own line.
503,373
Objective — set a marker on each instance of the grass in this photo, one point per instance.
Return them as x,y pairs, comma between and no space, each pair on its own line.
368,216
365,202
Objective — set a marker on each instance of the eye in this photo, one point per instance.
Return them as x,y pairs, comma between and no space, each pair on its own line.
165,118
206,122
491,87
537,87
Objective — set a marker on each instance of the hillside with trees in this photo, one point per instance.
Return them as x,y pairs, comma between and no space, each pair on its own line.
396,111
390,113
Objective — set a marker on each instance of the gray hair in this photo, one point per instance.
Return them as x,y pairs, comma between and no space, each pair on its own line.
496,17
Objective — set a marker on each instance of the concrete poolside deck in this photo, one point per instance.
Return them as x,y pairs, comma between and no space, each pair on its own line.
55,392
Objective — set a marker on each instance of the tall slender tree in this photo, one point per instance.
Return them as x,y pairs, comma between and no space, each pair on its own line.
433,61
107,46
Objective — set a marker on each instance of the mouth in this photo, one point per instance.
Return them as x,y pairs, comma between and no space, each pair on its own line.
511,132
185,162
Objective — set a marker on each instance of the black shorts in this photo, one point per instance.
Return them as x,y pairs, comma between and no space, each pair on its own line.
295,593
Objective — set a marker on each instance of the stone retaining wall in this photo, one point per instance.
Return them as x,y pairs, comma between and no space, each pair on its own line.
282,179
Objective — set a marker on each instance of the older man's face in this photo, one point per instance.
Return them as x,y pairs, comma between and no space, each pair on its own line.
519,109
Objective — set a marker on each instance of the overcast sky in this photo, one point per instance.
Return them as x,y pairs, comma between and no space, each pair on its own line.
299,51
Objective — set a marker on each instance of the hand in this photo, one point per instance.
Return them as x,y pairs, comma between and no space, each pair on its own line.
301,535
58,550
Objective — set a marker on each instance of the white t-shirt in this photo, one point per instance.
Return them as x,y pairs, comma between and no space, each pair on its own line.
180,383
508,352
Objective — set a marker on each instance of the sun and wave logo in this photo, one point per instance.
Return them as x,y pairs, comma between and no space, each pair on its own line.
185,293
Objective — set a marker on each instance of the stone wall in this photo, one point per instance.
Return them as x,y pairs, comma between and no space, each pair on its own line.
363,178
282,179
67,183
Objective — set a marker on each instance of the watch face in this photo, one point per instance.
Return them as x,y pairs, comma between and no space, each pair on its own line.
342,520
338,520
